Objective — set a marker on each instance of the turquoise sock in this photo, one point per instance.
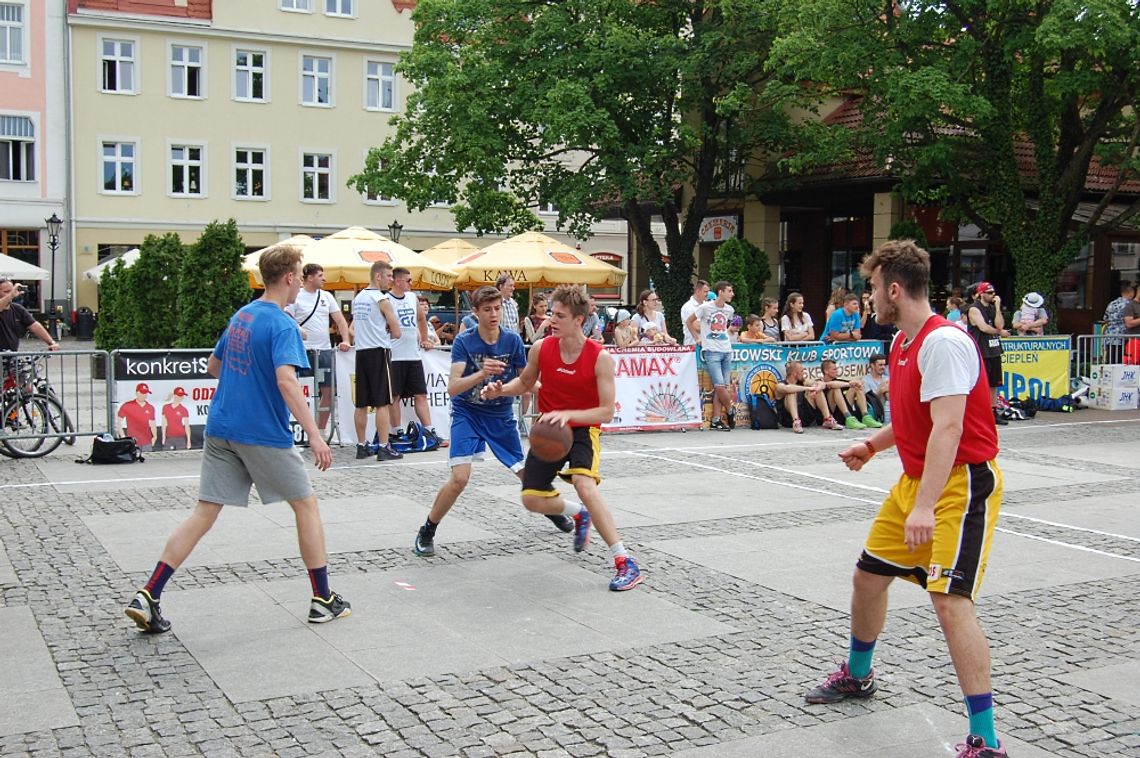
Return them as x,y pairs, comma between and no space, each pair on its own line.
859,657
980,709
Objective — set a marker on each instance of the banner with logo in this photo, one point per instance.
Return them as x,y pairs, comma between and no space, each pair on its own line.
437,369
655,388
1035,367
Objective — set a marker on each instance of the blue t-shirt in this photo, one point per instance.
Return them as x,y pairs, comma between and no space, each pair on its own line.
470,350
840,322
247,407
469,322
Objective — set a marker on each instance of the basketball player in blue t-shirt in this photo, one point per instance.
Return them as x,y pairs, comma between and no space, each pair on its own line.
478,356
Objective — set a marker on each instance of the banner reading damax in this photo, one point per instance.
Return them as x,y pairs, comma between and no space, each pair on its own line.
1035,367
655,388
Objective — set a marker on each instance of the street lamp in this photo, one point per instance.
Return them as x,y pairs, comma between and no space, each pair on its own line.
53,226
394,230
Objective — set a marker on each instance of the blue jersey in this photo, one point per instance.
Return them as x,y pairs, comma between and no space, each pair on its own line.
247,407
470,350
840,322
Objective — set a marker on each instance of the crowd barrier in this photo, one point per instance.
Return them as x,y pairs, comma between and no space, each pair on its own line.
1098,349
58,386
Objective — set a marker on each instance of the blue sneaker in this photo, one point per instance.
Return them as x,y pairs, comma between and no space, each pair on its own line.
628,574
581,530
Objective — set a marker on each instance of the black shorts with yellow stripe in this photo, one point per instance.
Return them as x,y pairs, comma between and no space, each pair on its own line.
584,458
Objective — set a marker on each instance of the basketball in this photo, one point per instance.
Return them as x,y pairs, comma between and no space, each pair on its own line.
550,442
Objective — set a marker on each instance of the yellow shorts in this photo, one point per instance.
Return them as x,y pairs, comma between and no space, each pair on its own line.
964,520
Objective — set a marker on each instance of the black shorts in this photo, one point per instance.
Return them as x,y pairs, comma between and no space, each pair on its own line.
373,377
408,379
993,370
809,414
320,363
584,458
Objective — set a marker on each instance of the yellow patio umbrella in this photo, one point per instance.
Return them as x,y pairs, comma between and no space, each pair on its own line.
449,251
348,255
249,262
535,260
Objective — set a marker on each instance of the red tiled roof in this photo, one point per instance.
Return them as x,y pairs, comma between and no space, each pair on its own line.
197,9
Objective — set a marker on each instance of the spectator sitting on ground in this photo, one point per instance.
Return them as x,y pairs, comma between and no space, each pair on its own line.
801,403
843,324
795,323
1032,317
877,386
625,333
843,395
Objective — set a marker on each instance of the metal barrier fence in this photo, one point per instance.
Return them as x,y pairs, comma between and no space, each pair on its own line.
1092,349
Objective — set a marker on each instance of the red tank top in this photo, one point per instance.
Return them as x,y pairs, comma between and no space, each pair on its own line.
910,417
567,386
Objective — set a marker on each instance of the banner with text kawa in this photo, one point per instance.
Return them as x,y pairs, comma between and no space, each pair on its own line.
655,388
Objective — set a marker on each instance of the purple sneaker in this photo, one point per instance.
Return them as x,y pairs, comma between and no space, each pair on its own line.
628,574
840,685
581,530
975,747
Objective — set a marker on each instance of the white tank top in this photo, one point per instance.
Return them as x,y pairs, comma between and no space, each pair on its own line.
368,322
407,348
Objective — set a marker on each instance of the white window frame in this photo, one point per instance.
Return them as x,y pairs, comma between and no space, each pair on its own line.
379,80
25,145
250,69
339,11
202,163
135,161
265,175
317,151
547,209
17,31
296,6
133,62
170,47
316,77
379,200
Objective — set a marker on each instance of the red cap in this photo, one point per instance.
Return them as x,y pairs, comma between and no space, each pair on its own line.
143,388
180,392
985,287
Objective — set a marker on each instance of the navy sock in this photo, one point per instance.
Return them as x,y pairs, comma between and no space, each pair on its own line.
156,583
980,709
319,578
429,527
859,657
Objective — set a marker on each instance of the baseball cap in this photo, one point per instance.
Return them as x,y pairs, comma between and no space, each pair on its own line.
143,388
180,392
1033,300
986,287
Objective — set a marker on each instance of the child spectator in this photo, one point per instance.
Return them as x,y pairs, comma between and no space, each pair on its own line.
795,323
1031,318
625,333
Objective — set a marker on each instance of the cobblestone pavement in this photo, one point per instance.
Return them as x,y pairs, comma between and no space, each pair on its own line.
1065,641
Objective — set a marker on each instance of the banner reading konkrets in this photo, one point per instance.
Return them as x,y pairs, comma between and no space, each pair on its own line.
1035,366
655,388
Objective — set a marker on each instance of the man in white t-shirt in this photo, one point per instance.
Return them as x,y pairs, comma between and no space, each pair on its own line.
712,318
408,378
312,310
375,325
700,294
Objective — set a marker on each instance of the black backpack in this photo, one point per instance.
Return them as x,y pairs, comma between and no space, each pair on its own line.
762,412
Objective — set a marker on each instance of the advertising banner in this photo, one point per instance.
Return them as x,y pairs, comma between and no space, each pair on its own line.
655,388
437,368
1035,367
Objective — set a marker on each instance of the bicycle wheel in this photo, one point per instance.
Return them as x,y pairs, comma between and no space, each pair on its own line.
58,418
26,416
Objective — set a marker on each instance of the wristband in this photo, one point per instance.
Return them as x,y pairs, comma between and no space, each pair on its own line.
870,447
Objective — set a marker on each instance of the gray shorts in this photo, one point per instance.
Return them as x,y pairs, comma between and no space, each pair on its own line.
230,468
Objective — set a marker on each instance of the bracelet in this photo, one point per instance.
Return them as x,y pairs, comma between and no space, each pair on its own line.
870,447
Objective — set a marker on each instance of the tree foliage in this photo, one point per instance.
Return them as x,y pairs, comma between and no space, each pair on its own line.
211,285
111,330
746,266
151,309
954,91
589,105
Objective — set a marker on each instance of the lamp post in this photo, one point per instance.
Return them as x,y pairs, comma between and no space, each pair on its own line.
394,230
53,226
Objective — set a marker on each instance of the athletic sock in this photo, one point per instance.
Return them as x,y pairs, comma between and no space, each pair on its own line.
859,657
156,583
429,527
980,709
571,508
617,550
319,578
716,420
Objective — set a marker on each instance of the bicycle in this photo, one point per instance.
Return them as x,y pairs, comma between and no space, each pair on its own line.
35,421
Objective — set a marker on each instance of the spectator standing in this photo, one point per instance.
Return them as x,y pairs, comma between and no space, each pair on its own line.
375,325
714,316
700,294
592,326
649,311
843,323
1032,317
801,403
408,379
870,326
433,323
1132,328
15,320
753,331
625,333
1114,322
313,309
835,302
954,314
769,318
537,323
796,323
510,318
987,327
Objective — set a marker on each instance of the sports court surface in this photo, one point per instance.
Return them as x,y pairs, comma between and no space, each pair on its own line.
507,643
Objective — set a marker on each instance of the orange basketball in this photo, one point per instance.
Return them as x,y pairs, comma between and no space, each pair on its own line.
550,442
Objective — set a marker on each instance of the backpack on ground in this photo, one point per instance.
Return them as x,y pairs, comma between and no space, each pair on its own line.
107,449
417,438
762,412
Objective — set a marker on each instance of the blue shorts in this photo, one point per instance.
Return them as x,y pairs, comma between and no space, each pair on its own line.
719,366
473,431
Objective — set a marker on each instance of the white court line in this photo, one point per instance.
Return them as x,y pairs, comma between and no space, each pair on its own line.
1070,526
1066,423
1066,544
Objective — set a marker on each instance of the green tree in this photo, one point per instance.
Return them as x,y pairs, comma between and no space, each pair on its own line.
153,284
746,266
110,329
955,93
211,285
591,105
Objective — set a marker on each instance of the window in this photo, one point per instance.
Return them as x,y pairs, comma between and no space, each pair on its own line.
119,167
373,198
316,80
546,208
338,7
17,149
379,86
110,250
296,5
249,75
249,173
186,171
11,33
118,66
185,71
316,177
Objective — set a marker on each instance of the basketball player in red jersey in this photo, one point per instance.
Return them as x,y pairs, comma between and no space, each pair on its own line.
936,525
577,378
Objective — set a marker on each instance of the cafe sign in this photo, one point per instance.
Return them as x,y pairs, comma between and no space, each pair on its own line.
719,228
